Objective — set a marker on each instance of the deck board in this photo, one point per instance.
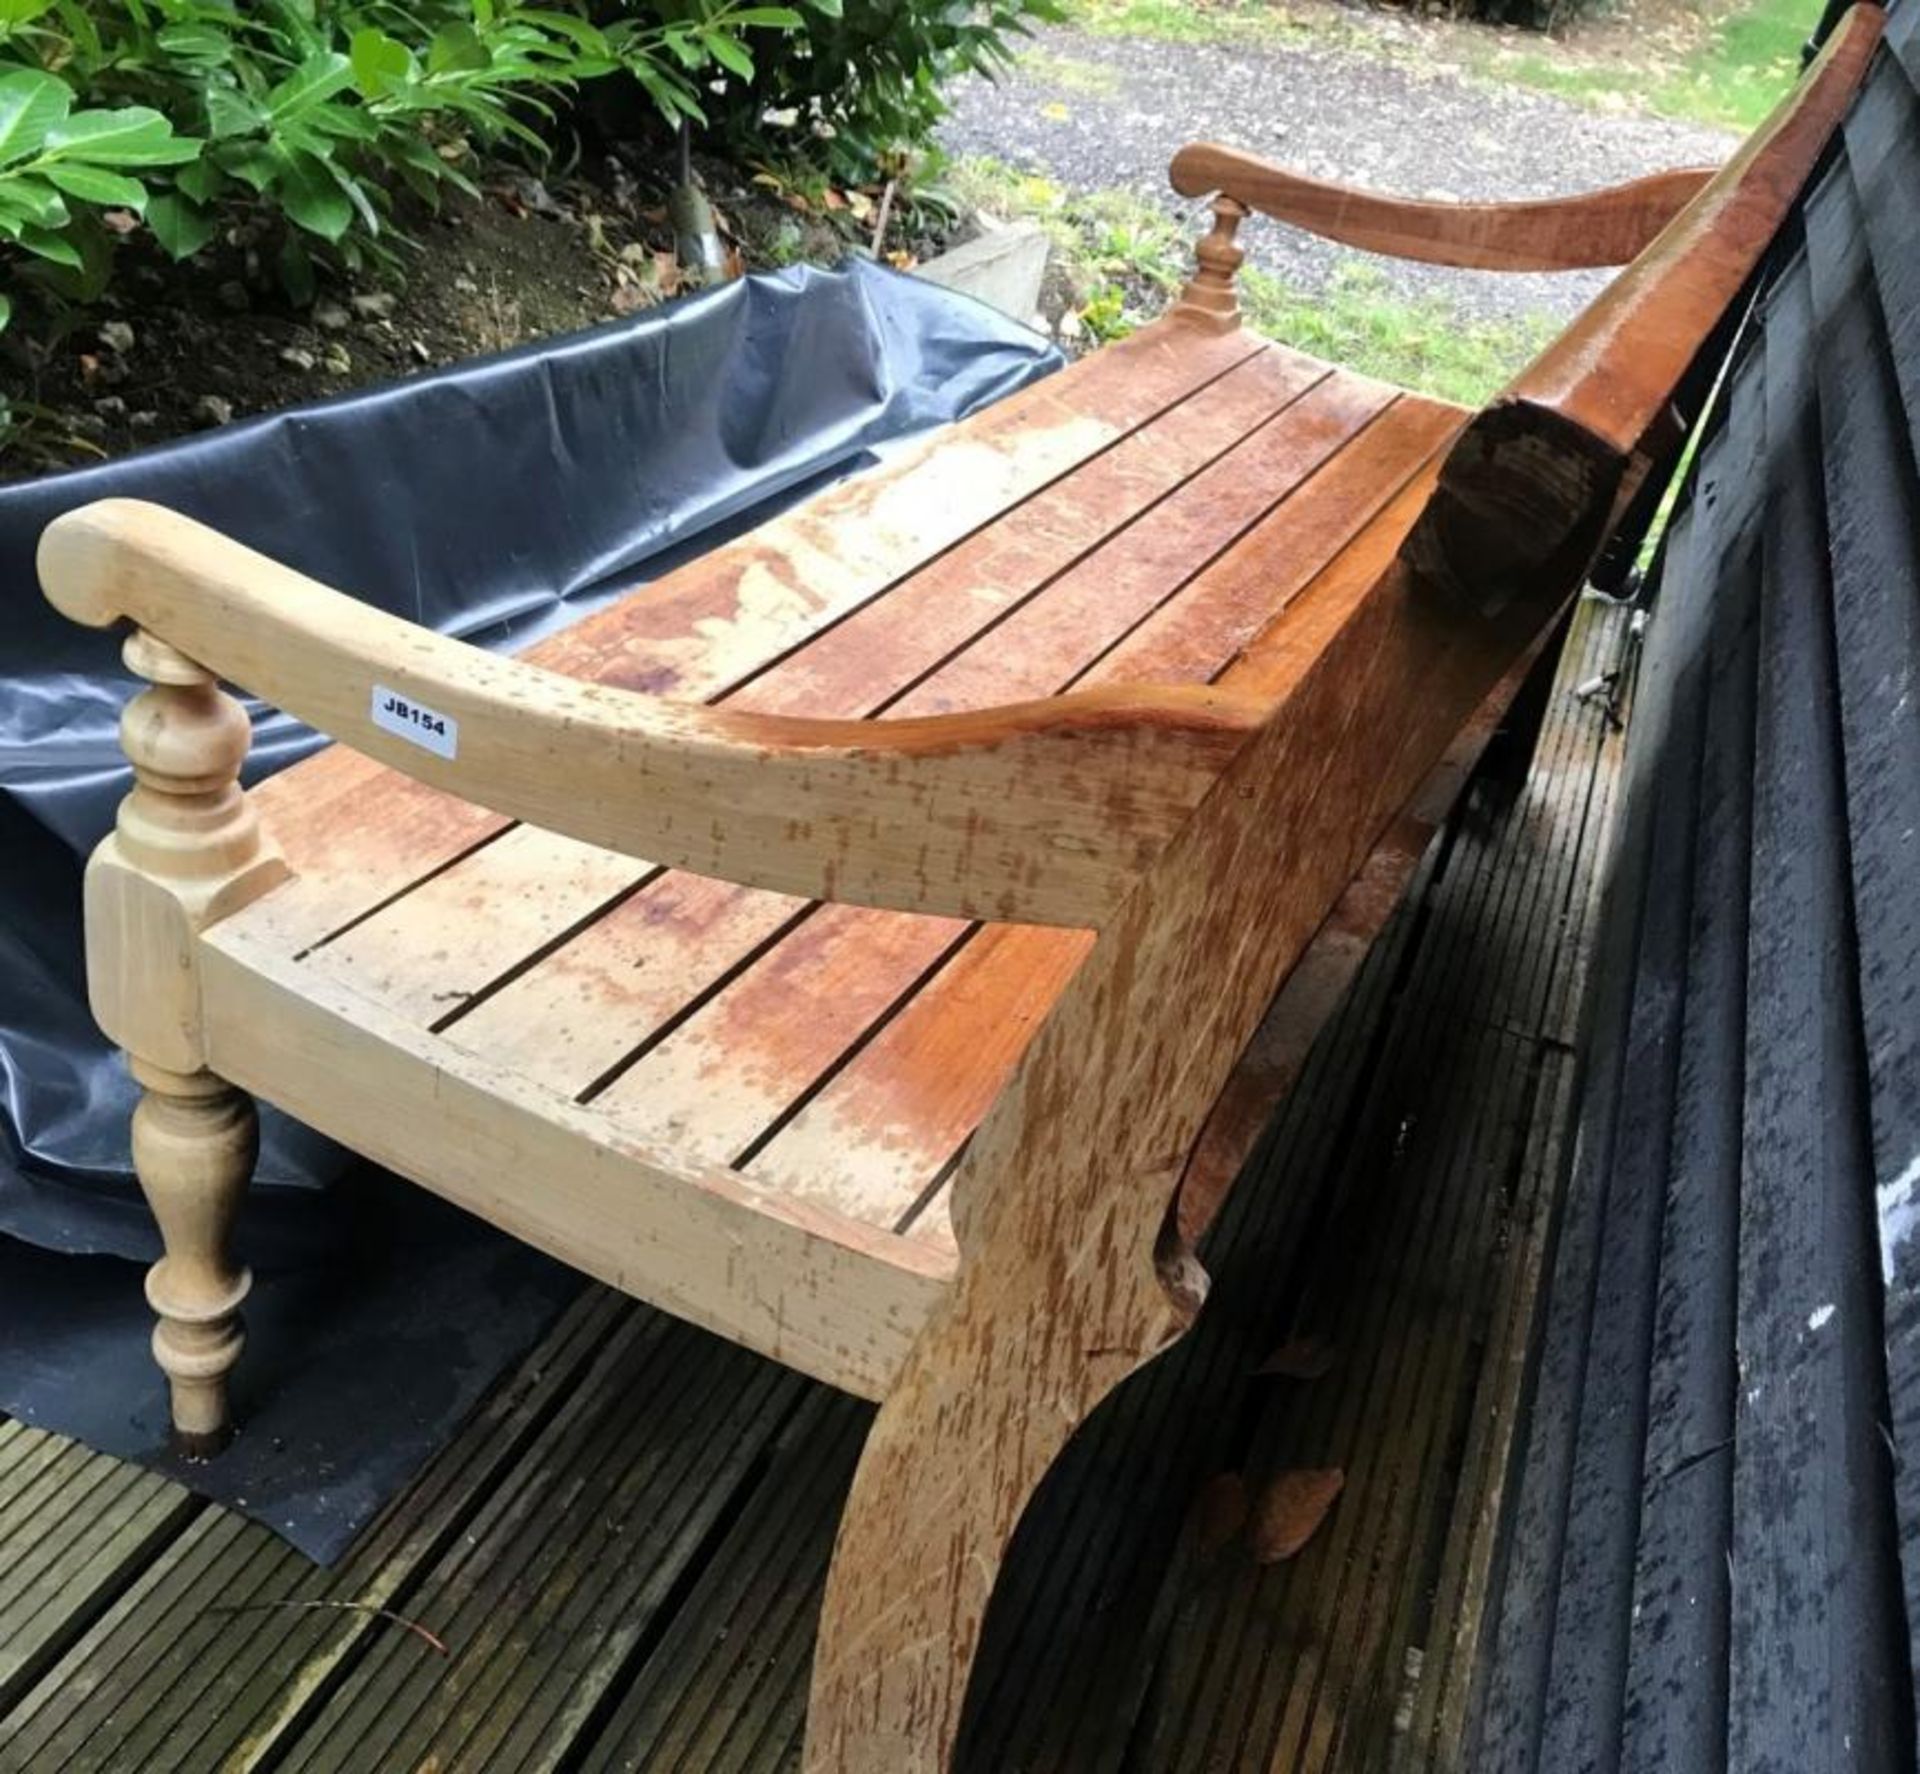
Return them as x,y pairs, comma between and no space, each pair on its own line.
624,1552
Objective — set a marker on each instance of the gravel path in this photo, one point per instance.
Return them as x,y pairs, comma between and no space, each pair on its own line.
1095,112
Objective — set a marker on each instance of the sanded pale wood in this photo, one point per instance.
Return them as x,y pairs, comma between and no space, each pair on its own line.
809,1287
1549,234
1033,813
186,850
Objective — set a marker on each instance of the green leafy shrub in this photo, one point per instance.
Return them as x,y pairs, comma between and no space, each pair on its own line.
50,154
864,78
311,110
309,115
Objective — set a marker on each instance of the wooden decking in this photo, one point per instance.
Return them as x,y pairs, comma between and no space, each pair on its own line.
617,1564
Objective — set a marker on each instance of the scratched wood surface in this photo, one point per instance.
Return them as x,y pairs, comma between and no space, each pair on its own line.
1139,547
623,1554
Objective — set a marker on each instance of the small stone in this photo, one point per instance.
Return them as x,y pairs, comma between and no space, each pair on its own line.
117,336
212,409
338,360
331,316
88,425
110,406
1070,326
300,360
420,351
144,420
233,294
466,286
376,305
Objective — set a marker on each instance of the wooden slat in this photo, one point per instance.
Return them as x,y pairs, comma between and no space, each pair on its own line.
877,1136
1118,586
724,1076
637,965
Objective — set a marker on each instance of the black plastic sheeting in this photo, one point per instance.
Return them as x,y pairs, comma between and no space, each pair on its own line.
493,500
1713,1562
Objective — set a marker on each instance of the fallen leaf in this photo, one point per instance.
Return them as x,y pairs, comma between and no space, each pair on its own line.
1291,1510
1300,1358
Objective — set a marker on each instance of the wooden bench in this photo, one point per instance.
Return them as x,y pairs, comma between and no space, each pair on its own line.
858,942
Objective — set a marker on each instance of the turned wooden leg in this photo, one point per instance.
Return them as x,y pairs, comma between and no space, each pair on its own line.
194,1142
186,850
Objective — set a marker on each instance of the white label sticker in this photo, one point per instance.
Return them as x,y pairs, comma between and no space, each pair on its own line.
437,733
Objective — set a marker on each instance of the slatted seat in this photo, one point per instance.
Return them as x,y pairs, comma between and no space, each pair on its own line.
838,1055
859,942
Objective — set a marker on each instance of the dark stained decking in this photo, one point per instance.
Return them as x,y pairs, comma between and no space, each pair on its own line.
617,1564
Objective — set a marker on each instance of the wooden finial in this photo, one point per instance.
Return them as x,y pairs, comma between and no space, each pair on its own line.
186,849
1209,298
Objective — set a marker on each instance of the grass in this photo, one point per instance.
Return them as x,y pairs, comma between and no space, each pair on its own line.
1729,78
1124,259
1422,342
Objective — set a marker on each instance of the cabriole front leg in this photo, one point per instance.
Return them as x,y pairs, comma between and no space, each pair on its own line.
195,1139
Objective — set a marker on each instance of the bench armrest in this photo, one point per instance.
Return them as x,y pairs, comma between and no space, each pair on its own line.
1606,227
1536,483
1041,812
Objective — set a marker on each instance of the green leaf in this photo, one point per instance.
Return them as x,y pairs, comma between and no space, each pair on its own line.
456,49
31,104
131,136
6,310
31,199
356,195
230,112
729,53
380,62
201,181
312,198
198,45
94,184
249,162
55,248
773,17
317,79
182,227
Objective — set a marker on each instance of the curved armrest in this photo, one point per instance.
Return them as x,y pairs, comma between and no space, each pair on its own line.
1041,812
1606,227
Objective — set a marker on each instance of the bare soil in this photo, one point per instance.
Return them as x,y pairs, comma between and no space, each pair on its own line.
179,348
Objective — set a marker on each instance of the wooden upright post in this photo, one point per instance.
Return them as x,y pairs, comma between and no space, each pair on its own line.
1209,298
186,850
